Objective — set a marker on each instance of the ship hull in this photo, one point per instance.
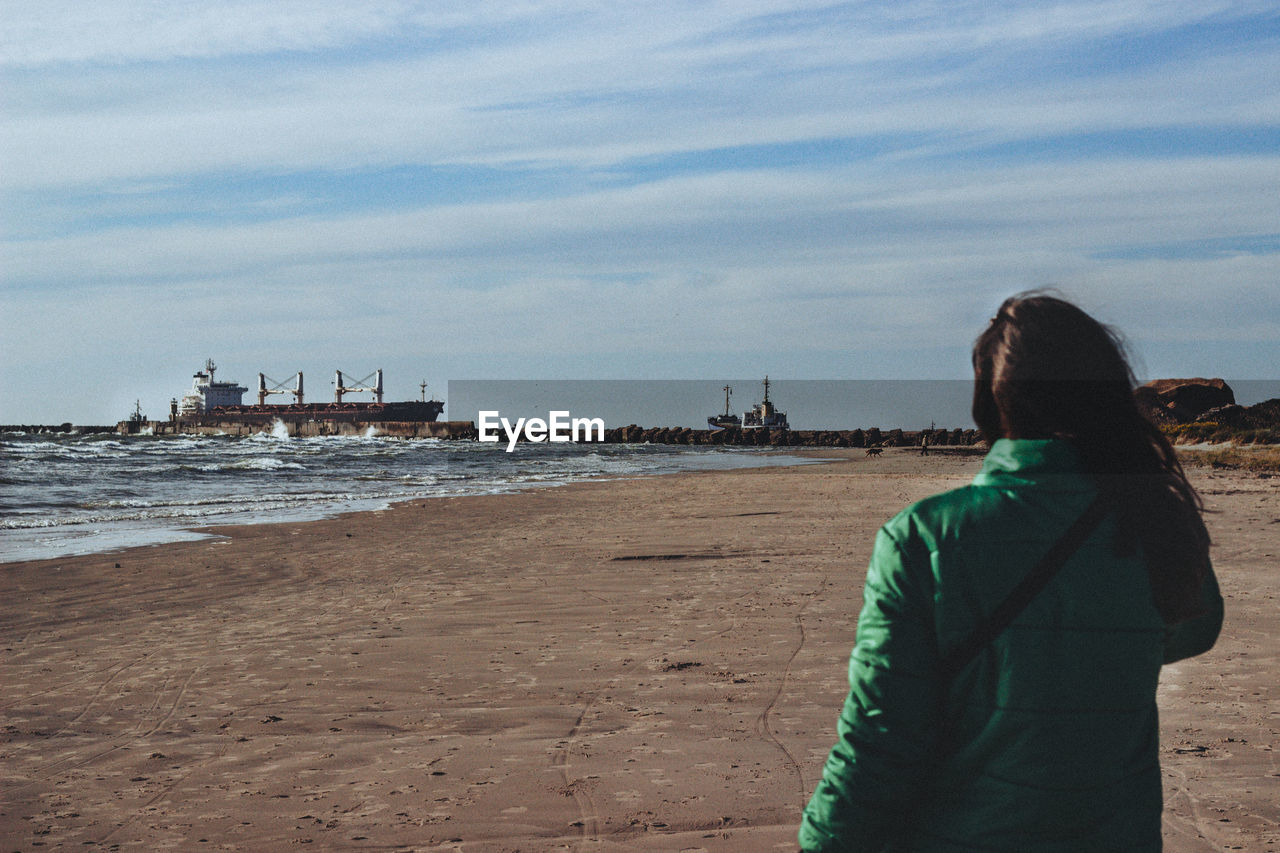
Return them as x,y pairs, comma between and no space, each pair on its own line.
410,412
406,420
311,428
719,422
778,421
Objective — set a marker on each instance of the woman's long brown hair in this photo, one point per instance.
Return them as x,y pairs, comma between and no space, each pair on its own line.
1043,368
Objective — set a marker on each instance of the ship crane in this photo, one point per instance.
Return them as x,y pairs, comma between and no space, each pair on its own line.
375,389
278,388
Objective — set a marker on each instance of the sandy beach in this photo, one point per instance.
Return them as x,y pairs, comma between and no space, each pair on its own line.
647,664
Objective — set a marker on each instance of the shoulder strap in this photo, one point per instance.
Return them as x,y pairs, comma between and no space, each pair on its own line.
1030,586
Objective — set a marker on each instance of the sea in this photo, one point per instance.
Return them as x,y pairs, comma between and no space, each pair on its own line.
67,494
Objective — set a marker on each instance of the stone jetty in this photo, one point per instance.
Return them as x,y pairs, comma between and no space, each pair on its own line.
872,437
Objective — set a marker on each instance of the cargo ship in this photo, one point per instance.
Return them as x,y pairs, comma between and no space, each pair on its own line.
217,408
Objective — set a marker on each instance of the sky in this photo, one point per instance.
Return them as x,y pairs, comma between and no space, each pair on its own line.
667,190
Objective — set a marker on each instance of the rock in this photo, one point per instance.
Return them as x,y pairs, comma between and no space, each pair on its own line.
1180,401
1231,416
1263,415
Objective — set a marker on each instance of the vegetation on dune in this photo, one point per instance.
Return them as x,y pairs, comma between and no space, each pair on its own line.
1251,458
1212,432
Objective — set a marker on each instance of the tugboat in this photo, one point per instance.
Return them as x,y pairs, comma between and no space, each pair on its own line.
136,423
764,415
719,422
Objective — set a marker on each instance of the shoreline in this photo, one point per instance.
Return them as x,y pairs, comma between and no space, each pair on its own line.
645,663
105,535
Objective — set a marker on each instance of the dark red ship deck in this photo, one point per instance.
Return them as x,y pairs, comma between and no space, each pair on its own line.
412,411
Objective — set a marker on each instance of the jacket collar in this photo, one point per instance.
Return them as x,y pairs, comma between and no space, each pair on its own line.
1015,461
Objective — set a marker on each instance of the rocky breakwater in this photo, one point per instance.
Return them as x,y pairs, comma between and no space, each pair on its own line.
872,437
64,428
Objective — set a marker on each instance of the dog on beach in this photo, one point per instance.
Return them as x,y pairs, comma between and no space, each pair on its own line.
874,451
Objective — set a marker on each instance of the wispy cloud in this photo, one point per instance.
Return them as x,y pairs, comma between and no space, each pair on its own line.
836,177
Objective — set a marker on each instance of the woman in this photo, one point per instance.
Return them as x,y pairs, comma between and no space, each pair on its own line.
1046,739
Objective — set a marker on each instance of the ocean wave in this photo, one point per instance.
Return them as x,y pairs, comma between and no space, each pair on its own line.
257,463
195,512
234,501
210,508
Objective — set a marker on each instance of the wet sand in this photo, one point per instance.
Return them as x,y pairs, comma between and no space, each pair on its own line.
651,664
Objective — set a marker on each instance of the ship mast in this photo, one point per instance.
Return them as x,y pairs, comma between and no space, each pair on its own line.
766,408
727,392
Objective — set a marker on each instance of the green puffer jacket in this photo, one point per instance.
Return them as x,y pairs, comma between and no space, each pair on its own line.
1051,734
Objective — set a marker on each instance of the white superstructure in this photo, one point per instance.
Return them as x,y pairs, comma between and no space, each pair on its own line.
764,415
205,394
